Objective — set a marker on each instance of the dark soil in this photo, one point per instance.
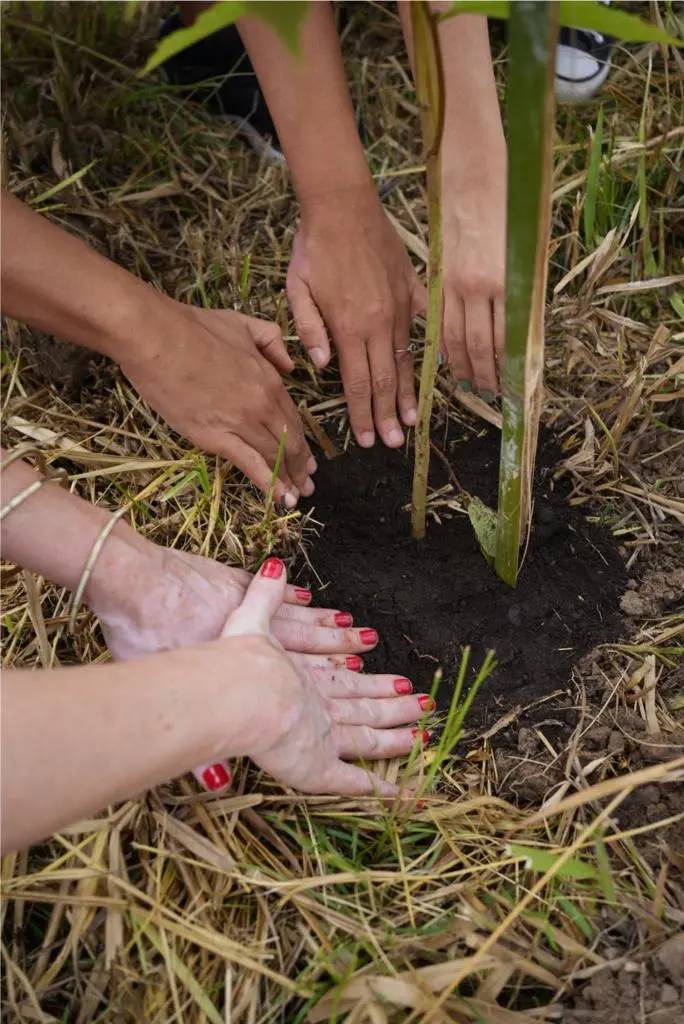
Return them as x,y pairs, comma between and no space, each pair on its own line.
429,599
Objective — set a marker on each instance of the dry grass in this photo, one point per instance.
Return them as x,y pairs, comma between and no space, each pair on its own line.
261,906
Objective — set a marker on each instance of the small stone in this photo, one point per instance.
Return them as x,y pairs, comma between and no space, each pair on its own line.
671,956
669,994
632,584
632,604
515,615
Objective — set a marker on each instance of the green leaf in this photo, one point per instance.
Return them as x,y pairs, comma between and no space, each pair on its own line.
483,520
543,860
578,14
589,211
285,18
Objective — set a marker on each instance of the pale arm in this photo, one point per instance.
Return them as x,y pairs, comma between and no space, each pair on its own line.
474,202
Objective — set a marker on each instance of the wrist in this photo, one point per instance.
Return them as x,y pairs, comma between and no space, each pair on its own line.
343,202
122,577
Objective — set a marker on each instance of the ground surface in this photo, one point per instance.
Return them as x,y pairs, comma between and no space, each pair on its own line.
430,599
262,907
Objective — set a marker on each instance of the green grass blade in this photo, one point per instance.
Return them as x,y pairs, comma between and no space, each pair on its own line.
50,192
589,212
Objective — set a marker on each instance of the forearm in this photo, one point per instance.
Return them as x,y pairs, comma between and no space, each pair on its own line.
75,740
53,281
309,101
474,146
52,532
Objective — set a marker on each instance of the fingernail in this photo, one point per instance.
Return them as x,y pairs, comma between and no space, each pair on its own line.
354,663
424,735
215,777
290,500
403,686
367,439
308,487
311,465
410,417
465,385
395,437
487,396
368,637
317,356
343,619
272,569
427,703
302,595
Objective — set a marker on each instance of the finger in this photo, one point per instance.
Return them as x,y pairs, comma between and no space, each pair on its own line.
351,662
350,780
381,712
360,741
480,345
308,321
317,616
406,392
268,338
357,389
266,443
262,600
338,683
305,639
500,334
383,369
454,341
214,777
299,597
298,460
256,469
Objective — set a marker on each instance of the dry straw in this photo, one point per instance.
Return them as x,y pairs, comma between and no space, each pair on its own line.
260,906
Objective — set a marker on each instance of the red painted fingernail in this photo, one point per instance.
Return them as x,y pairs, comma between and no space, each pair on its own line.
354,663
420,805
403,686
343,619
426,703
272,569
216,777
302,595
368,637
423,733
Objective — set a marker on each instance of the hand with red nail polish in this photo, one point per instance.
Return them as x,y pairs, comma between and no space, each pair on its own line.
312,715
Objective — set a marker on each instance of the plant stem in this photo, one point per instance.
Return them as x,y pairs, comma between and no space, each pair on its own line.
532,33
430,93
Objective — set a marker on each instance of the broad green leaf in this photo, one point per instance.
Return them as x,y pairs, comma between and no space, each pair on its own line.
543,860
285,18
483,520
578,14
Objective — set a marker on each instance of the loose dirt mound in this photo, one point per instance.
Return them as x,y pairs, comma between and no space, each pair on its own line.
428,600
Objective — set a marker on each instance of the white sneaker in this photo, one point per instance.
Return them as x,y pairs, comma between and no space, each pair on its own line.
582,63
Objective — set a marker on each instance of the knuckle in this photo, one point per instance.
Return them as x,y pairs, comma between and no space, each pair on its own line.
359,387
369,738
385,383
370,711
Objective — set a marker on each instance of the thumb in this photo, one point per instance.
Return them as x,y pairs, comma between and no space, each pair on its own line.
268,338
308,321
263,598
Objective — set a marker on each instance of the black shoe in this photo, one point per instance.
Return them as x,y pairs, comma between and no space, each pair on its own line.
218,73
582,63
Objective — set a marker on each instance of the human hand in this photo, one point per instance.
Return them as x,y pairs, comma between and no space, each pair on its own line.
313,716
214,375
350,275
157,599
474,253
